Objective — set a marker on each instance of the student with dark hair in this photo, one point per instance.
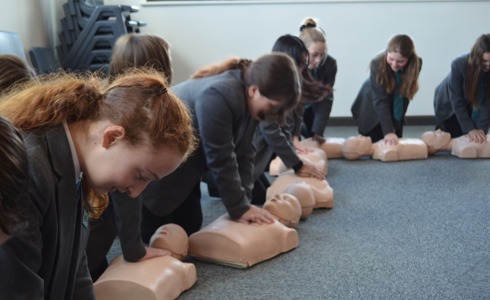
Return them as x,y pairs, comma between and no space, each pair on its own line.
134,50
383,99
225,108
13,70
13,220
462,99
272,138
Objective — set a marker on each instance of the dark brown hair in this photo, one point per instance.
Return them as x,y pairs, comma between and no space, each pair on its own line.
481,46
277,78
13,177
140,50
13,70
403,45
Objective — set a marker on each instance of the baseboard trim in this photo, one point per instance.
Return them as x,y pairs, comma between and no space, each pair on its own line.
411,120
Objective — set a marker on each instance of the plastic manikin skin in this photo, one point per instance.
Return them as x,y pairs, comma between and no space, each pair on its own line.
437,141
440,141
171,237
286,208
463,148
159,278
322,191
332,146
228,242
356,147
360,146
316,157
406,149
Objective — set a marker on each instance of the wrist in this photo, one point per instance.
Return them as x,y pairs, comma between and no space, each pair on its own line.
298,166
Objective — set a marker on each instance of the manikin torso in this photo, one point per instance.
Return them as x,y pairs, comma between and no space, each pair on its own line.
159,278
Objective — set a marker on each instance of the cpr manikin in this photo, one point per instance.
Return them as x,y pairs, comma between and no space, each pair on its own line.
332,146
315,157
462,147
285,207
437,141
305,195
240,245
159,278
356,147
407,149
323,193
173,238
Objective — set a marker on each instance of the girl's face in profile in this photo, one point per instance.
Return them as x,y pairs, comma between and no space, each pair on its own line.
485,63
396,61
116,166
318,51
260,107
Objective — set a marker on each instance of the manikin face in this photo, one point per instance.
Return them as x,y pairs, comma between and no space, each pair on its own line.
113,165
286,207
396,61
260,107
441,138
171,237
485,62
318,51
363,144
436,140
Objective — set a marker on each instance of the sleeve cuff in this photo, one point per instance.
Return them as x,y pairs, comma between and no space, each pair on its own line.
297,166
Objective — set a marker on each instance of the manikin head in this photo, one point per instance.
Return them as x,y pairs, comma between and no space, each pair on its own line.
356,147
285,207
304,193
171,237
437,140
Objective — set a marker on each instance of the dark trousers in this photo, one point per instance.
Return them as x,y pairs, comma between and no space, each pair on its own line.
258,192
260,189
376,133
188,215
308,118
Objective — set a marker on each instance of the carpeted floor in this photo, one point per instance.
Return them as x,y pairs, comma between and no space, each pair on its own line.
399,230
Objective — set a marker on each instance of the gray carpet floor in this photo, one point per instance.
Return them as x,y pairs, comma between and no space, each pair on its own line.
399,230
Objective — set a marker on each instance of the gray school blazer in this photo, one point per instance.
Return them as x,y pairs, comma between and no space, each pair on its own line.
54,249
225,128
374,106
450,98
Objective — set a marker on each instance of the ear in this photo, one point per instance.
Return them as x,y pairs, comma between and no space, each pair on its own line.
112,135
252,90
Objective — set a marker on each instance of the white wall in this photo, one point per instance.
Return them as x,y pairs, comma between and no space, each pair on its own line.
34,21
357,30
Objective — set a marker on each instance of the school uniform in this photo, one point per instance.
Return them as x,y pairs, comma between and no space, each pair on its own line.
373,108
13,284
452,107
317,114
218,106
273,139
58,228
